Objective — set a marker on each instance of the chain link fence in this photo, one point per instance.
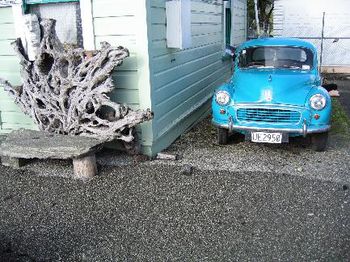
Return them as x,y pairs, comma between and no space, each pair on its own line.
328,30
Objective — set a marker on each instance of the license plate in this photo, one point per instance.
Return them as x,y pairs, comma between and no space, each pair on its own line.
263,137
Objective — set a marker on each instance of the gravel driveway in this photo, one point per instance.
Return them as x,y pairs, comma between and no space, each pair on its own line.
199,148
241,201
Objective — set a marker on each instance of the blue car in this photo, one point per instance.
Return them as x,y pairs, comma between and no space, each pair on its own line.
275,93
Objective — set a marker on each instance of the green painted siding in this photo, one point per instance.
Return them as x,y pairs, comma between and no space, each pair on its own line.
183,80
124,23
115,22
11,117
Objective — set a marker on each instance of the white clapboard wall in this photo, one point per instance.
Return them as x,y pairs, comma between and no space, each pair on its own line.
239,22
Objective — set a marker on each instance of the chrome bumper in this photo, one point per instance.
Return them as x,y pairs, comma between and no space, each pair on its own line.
304,130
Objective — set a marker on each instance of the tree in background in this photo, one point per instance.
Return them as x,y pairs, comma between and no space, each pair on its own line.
265,9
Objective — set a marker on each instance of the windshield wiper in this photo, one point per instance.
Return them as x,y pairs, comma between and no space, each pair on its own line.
259,66
291,67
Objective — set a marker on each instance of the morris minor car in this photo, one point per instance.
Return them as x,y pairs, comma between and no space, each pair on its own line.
274,94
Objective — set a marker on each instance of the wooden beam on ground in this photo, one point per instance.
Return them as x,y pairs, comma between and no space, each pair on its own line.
336,69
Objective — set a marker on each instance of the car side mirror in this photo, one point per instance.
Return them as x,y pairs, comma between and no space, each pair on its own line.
231,51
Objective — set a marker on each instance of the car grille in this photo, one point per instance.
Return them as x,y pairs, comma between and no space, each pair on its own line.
268,115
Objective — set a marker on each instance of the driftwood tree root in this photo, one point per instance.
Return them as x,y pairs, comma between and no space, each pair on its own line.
66,92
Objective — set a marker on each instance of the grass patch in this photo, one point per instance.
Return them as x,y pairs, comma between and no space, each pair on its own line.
340,120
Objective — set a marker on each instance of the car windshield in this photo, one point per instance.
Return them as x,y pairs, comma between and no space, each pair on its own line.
276,57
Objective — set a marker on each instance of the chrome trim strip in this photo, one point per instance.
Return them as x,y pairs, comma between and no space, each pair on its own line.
287,130
270,106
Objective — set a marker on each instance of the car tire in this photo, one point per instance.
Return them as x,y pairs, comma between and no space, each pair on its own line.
319,141
222,136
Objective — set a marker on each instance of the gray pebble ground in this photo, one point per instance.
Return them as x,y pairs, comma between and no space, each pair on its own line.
240,202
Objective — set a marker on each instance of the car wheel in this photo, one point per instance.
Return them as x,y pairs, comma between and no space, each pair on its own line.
222,136
319,141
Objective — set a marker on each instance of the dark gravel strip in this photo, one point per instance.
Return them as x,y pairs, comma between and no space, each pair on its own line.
145,213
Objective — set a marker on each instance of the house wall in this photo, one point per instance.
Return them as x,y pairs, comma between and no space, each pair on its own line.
239,22
11,117
303,19
182,81
124,23
117,25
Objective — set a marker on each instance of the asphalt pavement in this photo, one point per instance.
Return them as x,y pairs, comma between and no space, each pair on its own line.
144,213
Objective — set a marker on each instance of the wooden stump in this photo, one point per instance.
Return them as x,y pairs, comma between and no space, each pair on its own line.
85,167
12,162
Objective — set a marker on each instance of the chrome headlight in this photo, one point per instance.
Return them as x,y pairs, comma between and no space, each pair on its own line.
318,101
222,98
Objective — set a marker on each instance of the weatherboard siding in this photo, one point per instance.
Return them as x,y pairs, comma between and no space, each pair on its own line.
184,80
115,21
11,117
124,23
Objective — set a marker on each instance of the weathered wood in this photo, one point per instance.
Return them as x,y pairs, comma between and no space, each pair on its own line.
12,162
335,69
166,156
31,144
65,90
85,167
22,145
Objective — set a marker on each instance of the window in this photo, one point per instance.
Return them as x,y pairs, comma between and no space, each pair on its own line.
276,57
228,23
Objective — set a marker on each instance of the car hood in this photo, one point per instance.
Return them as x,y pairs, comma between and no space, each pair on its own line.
272,87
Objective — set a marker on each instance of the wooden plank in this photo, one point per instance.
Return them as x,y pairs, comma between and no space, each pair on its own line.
9,64
8,106
158,3
13,77
6,48
206,18
6,15
8,127
172,60
206,7
159,31
123,25
159,48
199,91
196,6
104,8
336,69
125,96
158,16
183,89
7,31
188,69
206,29
130,63
126,80
15,118
128,41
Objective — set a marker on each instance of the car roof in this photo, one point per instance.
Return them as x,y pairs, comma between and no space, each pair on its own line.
277,41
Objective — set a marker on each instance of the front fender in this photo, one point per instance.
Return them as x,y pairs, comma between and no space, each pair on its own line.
325,113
